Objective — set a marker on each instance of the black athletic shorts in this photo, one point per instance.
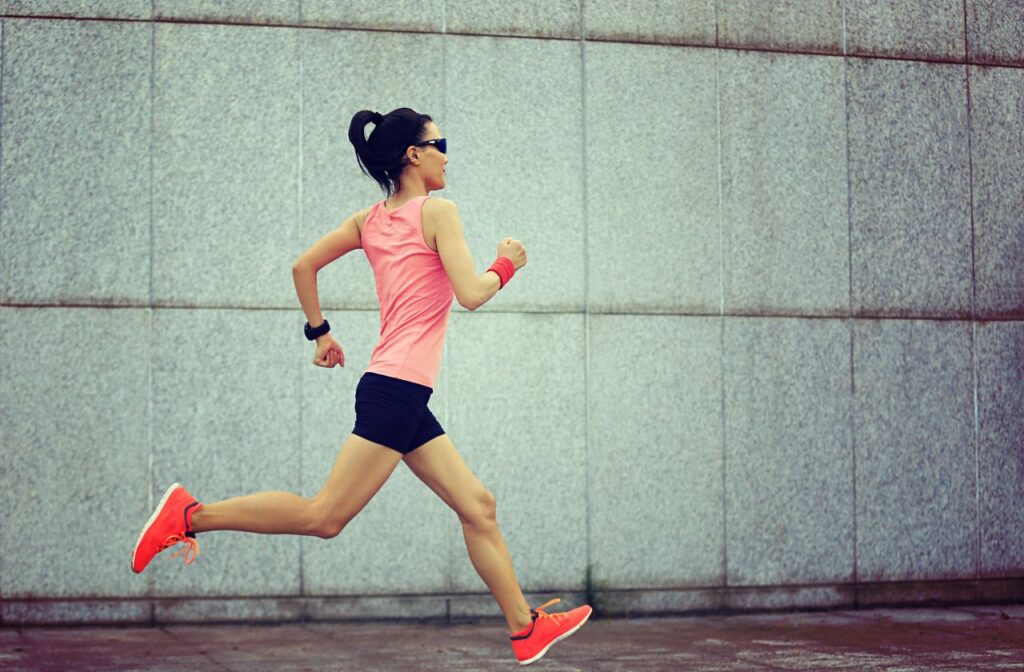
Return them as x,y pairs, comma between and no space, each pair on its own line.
394,412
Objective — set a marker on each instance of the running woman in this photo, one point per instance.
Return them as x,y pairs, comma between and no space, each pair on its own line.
420,259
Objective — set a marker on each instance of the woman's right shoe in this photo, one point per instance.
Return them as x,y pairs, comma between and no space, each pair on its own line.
170,524
532,643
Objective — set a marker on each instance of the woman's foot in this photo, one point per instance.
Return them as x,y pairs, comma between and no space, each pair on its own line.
170,524
533,642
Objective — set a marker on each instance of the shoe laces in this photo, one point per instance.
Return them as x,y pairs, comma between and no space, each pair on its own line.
190,549
556,617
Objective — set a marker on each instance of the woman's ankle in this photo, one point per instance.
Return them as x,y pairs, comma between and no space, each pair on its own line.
196,520
517,627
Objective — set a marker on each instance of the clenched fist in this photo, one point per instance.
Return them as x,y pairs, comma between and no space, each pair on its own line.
514,250
328,352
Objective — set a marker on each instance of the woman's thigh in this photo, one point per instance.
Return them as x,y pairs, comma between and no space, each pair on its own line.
360,470
440,466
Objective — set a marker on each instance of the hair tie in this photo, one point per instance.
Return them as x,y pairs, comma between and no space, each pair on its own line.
377,118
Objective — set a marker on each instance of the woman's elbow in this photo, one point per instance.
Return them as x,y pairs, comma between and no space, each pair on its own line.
468,301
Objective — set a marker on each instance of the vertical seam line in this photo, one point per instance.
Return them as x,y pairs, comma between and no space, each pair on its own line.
844,32
151,583
298,368
977,447
586,292
974,305
849,287
716,24
721,307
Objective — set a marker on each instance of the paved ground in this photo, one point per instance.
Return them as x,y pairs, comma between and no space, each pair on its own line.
987,638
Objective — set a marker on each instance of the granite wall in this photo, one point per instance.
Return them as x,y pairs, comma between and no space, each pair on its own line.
768,351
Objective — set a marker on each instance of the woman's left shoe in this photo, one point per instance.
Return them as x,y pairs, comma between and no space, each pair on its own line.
532,643
170,524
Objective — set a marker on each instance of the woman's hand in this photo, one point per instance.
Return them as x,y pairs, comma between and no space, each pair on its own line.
328,352
514,250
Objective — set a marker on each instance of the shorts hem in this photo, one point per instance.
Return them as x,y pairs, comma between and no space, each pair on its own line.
425,441
377,441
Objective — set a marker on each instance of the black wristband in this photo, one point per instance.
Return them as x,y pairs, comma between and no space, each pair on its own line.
312,334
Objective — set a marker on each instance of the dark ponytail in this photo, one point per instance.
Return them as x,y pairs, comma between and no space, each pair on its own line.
382,156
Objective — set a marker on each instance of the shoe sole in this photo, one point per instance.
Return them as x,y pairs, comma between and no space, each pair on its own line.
555,641
152,519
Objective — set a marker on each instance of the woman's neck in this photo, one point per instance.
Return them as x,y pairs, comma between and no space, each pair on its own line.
410,189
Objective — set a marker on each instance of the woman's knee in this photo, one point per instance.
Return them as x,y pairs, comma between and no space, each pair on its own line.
325,523
483,509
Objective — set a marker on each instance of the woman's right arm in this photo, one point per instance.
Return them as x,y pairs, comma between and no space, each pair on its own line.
335,244
472,290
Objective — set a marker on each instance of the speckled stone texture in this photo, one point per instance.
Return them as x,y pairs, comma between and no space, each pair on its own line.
786,25
920,29
226,423
225,165
396,15
240,11
995,32
655,461
74,429
670,22
103,9
788,452
999,350
997,148
371,607
76,181
652,169
515,162
915,450
231,610
910,222
244,11
401,537
118,610
517,415
339,78
483,605
785,237
819,201
528,18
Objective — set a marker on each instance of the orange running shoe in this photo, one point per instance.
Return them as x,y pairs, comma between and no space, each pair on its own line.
170,524
532,643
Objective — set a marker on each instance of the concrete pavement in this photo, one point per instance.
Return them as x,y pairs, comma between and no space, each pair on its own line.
989,638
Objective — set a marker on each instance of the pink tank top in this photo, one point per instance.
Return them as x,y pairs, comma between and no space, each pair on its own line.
414,291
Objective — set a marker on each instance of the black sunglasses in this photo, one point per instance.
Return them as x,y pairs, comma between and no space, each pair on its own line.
440,143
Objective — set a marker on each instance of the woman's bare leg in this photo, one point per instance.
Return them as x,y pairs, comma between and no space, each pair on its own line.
437,464
264,512
360,470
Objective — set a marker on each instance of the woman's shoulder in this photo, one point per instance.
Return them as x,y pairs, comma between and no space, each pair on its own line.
437,212
437,204
363,214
